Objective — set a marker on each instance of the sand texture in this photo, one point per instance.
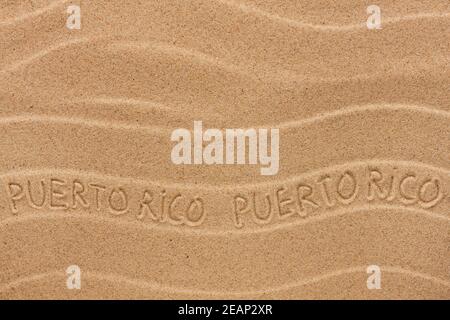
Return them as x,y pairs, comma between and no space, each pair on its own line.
86,176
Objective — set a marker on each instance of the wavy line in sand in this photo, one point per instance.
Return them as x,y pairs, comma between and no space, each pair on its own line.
222,233
224,187
249,9
275,75
255,11
32,118
165,48
356,109
145,284
35,13
140,104
278,75
28,60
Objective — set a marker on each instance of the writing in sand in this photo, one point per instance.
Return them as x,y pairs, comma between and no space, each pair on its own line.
238,208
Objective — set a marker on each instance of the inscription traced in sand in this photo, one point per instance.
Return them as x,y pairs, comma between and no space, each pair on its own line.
331,191
262,206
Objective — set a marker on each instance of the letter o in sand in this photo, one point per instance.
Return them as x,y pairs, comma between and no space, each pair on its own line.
347,199
197,203
118,209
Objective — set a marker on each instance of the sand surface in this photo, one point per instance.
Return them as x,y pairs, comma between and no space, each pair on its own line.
93,110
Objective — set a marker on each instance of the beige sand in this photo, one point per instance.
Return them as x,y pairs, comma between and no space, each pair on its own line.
93,109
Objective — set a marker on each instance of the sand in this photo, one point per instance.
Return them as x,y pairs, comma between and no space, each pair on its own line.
87,179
